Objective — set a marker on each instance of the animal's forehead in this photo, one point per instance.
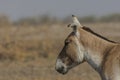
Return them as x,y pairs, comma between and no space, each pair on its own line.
71,36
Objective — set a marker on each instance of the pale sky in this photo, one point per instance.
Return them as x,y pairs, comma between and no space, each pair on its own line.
16,9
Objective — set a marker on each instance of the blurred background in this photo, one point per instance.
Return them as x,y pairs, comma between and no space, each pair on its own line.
32,33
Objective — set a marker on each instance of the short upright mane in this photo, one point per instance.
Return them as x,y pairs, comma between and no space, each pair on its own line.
91,31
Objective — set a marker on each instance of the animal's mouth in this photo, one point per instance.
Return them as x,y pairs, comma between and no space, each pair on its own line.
64,71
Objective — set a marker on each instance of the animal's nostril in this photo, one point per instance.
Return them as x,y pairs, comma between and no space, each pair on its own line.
60,69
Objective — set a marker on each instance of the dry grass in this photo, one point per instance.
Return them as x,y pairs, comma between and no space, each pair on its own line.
29,52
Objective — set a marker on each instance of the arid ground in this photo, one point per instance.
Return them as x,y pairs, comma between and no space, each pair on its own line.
29,52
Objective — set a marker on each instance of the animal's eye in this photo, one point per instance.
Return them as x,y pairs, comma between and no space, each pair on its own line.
66,43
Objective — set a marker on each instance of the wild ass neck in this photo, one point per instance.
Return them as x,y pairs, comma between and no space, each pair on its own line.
96,48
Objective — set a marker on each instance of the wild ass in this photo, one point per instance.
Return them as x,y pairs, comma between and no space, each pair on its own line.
85,45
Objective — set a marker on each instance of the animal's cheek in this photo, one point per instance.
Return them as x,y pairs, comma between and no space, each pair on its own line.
68,62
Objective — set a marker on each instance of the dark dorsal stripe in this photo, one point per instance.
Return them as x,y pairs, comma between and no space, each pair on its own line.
91,31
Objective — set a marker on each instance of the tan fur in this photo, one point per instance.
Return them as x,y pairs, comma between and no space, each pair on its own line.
102,54
108,52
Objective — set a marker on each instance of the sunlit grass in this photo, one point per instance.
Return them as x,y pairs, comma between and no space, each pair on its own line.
30,52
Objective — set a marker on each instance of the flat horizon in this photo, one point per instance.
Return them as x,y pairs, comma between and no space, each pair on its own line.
17,9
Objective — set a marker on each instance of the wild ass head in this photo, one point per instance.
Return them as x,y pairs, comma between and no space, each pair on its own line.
73,51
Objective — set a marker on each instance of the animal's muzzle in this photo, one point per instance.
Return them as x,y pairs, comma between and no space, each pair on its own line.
60,67
62,70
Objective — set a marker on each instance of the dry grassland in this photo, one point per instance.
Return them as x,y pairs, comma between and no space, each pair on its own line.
29,52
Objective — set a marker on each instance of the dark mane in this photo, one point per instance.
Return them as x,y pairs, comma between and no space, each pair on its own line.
89,30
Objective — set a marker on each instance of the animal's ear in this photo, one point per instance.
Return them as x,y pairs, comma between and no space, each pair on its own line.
76,24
